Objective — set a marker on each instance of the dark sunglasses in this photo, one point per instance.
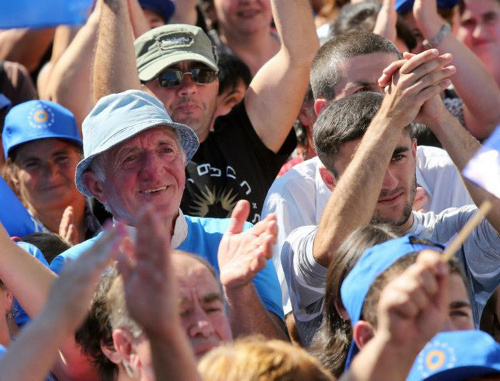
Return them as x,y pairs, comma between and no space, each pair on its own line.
172,78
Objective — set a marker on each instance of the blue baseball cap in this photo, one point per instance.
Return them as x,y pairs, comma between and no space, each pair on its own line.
119,117
34,120
374,261
405,6
457,355
165,8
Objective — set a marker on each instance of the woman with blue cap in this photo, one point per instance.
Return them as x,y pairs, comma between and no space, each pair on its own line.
42,147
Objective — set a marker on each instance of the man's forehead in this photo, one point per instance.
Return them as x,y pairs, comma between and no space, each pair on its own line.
361,68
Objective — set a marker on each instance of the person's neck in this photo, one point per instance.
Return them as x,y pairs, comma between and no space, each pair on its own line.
51,216
255,49
408,224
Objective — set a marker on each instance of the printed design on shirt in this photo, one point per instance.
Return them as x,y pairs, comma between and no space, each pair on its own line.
218,191
211,202
436,356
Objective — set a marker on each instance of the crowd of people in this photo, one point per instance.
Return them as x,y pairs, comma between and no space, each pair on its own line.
249,190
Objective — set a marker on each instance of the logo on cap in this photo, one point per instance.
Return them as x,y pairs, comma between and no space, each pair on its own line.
168,43
434,356
41,117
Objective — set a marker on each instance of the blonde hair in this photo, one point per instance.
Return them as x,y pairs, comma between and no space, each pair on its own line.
253,358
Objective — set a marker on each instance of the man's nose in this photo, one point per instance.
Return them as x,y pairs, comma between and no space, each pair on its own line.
188,86
151,166
480,32
390,181
200,323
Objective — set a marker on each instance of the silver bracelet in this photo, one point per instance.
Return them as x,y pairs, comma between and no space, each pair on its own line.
436,40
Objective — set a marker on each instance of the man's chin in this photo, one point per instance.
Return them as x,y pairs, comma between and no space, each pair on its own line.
396,220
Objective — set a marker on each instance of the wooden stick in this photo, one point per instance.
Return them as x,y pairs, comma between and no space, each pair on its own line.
466,231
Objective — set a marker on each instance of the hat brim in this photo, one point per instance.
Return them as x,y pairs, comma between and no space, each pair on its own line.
69,138
151,71
189,143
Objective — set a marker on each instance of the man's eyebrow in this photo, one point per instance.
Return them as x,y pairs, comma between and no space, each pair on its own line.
358,83
213,296
399,150
460,304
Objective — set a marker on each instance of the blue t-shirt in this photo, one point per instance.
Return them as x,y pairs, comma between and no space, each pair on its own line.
13,215
203,238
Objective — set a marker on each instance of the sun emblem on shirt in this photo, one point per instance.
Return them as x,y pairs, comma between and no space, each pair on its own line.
212,202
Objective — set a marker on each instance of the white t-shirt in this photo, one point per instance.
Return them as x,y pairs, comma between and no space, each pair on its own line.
299,197
479,258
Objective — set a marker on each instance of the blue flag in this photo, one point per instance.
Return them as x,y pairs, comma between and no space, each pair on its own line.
13,215
484,168
43,13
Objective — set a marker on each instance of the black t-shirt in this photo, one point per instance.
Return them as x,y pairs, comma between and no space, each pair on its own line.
230,165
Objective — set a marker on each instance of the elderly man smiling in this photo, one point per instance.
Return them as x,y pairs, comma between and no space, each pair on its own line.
134,154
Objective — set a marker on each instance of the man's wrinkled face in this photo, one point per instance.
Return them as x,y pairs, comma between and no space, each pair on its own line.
201,305
147,168
361,73
189,103
396,197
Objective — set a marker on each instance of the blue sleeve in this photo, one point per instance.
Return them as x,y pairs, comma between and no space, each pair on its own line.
71,254
13,215
267,285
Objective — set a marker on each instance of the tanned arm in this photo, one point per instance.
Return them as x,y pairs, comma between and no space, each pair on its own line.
275,95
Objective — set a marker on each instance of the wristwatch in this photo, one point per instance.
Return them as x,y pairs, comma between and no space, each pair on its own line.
435,41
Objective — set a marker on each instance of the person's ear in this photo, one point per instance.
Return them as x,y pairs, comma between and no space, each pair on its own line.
306,116
362,333
123,342
9,299
327,177
319,105
414,147
341,311
111,353
93,184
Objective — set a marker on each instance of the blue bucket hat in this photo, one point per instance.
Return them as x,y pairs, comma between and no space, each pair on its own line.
165,8
34,120
119,117
405,6
457,355
374,261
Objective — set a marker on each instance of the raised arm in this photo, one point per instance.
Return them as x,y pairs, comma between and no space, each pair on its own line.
114,66
411,310
153,300
354,198
276,93
185,12
242,254
475,86
35,350
26,46
386,21
69,83
461,146
28,279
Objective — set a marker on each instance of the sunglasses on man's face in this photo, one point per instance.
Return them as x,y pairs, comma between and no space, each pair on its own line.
172,78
